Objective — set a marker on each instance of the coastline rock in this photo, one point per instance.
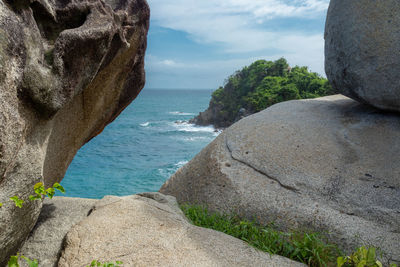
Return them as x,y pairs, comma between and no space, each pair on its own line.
150,230
362,43
329,165
67,69
57,217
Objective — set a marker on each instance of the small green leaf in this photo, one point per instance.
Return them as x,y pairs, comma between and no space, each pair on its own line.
59,187
341,261
31,263
50,192
1,204
37,186
13,262
18,202
119,262
35,197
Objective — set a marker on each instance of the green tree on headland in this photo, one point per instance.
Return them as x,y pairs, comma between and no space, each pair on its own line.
259,86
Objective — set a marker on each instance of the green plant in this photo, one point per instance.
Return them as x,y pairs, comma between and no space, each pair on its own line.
96,263
40,193
363,257
17,201
13,262
310,249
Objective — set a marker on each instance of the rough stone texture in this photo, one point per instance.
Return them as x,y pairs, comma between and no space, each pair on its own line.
362,44
150,230
67,69
327,164
57,217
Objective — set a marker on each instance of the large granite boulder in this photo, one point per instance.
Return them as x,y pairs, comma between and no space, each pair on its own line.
150,230
329,165
67,69
362,44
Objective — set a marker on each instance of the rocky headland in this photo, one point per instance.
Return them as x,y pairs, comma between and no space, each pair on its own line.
258,86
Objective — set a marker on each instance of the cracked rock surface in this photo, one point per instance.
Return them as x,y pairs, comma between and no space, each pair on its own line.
328,165
151,230
67,69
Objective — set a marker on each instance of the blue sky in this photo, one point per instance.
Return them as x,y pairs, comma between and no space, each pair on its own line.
199,43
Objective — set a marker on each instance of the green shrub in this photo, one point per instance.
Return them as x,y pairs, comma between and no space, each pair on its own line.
310,249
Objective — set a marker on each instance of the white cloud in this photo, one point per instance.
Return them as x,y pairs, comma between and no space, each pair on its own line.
234,23
240,27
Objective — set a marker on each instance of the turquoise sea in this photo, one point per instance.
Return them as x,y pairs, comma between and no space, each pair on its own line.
143,147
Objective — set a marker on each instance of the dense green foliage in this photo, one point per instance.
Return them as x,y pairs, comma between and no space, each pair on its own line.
263,84
310,249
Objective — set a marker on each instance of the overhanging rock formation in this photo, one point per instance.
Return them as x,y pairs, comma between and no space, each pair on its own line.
67,69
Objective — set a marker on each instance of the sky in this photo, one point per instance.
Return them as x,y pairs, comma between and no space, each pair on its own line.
197,44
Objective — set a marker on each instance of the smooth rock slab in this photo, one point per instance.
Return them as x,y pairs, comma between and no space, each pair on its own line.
362,51
327,165
150,230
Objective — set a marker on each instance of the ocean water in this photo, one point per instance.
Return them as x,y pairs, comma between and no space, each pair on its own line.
143,147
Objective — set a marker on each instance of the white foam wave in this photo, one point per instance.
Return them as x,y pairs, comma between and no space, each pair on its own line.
181,113
167,172
189,127
195,138
181,163
217,132
145,124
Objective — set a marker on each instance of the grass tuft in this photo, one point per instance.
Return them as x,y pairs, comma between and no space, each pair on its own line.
310,249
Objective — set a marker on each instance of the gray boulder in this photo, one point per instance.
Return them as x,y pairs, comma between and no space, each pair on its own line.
329,165
362,44
150,230
67,69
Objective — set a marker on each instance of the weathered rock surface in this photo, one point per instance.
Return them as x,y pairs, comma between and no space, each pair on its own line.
362,44
328,165
67,69
150,230
57,217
